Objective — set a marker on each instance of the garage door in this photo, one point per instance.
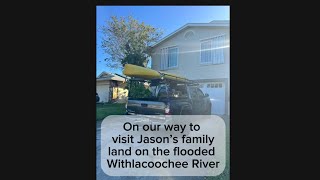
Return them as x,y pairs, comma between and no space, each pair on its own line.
216,91
103,92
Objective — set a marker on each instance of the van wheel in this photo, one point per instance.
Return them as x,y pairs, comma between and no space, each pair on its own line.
186,112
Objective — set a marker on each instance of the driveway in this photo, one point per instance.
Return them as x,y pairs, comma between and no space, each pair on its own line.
102,176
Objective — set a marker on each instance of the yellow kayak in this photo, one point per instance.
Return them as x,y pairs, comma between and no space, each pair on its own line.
147,73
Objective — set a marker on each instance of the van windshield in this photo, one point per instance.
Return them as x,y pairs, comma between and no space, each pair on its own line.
157,90
169,91
178,91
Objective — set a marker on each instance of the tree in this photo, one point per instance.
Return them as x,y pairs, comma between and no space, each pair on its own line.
128,41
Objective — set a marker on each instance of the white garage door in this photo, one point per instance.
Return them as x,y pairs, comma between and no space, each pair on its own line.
103,92
216,91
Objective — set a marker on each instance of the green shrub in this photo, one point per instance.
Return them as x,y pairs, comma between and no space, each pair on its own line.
138,90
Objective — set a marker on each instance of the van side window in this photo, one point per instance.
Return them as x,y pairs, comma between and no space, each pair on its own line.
162,92
178,91
200,93
193,93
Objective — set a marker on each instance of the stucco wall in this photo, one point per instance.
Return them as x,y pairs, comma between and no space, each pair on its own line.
189,54
189,57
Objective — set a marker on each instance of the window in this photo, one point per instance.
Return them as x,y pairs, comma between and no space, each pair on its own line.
178,91
169,58
162,92
206,52
173,57
212,50
189,35
196,93
193,93
200,93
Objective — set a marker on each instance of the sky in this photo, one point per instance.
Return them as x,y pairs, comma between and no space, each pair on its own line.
167,18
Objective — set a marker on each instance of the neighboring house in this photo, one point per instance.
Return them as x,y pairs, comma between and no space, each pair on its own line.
200,52
111,87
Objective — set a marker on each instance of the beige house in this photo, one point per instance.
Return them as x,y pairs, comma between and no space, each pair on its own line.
111,88
200,52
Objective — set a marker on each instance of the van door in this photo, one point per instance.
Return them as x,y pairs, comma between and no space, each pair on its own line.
203,102
196,101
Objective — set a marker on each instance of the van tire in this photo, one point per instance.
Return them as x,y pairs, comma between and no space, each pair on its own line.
186,111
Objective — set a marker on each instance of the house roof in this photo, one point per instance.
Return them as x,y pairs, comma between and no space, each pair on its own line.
215,23
109,76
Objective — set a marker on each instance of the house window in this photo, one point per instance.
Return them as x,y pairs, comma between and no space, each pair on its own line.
173,57
212,50
169,58
206,52
189,35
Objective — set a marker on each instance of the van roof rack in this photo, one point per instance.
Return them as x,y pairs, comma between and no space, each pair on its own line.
161,80
189,82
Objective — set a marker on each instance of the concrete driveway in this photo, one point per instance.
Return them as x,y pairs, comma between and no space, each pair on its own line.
102,176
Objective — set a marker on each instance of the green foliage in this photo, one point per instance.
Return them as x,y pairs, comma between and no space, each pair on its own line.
138,90
128,41
137,59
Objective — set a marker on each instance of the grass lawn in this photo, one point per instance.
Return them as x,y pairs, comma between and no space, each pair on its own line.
104,110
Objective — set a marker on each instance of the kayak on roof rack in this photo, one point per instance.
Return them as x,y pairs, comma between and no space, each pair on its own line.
149,74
